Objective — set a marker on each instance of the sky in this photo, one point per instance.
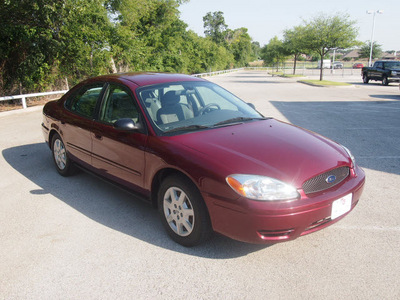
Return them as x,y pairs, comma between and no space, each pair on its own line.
265,19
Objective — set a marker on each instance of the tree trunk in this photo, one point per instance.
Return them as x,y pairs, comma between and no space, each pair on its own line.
295,62
321,68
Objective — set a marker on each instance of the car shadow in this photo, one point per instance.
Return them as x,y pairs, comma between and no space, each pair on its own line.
368,128
372,83
109,205
387,97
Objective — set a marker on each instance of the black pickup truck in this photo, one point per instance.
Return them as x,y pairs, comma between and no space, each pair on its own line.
382,70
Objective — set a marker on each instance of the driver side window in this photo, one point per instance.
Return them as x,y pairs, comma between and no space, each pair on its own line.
118,104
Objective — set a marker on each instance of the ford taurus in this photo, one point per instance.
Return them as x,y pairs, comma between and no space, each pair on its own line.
207,160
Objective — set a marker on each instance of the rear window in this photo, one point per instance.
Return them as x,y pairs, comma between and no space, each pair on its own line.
84,101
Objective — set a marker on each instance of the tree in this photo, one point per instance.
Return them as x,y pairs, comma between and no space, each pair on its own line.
274,52
366,49
239,43
44,41
324,33
215,27
85,37
29,41
294,43
256,48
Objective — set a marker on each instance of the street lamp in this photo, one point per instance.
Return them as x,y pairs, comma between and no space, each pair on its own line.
374,12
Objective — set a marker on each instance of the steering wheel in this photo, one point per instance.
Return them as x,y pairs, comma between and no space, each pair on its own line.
207,108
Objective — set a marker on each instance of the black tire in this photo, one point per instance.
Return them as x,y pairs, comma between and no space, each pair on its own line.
63,164
385,80
183,212
365,78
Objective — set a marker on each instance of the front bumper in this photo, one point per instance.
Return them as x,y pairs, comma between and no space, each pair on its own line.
268,222
394,79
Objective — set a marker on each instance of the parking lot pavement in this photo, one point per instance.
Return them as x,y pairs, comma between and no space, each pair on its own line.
79,238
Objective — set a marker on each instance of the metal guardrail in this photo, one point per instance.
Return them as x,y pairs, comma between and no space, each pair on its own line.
24,96
216,72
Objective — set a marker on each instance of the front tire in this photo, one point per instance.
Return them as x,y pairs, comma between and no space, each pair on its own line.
183,212
385,81
63,164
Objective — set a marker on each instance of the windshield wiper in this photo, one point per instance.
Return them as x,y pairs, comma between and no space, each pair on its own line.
237,120
187,128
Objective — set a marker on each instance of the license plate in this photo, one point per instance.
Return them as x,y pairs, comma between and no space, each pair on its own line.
341,206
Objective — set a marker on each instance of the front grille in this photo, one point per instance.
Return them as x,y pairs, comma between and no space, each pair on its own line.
321,182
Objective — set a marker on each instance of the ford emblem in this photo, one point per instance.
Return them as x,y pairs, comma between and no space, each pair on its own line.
330,179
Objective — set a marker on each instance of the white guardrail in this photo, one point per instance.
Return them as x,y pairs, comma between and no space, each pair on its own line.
216,72
24,96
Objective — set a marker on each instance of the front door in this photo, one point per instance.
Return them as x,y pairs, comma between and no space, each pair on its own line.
117,154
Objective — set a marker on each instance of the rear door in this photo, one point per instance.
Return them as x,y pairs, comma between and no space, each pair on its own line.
119,155
77,122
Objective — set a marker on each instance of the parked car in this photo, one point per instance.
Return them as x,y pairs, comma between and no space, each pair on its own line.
358,66
206,159
337,65
383,70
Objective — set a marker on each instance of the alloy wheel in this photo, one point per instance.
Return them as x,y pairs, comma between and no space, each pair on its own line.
178,211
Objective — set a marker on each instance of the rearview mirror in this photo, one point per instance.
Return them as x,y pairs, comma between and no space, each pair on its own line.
251,105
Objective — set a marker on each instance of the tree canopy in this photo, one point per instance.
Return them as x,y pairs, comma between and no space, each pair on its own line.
214,26
365,50
43,42
274,52
324,33
294,43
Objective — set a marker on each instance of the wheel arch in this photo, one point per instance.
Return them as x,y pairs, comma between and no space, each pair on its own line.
160,176
51,134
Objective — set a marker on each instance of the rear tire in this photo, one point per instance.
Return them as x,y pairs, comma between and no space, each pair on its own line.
183,212
64,165
365,79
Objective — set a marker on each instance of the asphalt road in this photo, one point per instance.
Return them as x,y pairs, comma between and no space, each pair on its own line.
79,238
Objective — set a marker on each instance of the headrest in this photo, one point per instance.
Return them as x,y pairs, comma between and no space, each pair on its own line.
170,98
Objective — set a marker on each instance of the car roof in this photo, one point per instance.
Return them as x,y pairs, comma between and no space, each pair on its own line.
147,78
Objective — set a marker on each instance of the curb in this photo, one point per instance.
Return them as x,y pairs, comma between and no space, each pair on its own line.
322,85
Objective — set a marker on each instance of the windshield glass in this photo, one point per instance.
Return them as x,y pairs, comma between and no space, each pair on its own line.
174,108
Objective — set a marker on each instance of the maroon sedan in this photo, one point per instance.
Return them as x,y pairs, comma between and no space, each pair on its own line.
206,159
358,66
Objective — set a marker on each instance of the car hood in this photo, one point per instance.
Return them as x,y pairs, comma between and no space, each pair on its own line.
268,147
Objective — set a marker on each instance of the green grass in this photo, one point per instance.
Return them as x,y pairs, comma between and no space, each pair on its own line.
284,75
276,73
292,76
324,83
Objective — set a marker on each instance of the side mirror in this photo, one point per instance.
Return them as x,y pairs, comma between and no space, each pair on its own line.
126,124
251,105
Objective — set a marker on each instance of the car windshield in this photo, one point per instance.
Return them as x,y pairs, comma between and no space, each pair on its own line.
175,108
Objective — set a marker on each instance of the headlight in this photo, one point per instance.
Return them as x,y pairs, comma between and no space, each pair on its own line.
261,188
353,160
394,73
